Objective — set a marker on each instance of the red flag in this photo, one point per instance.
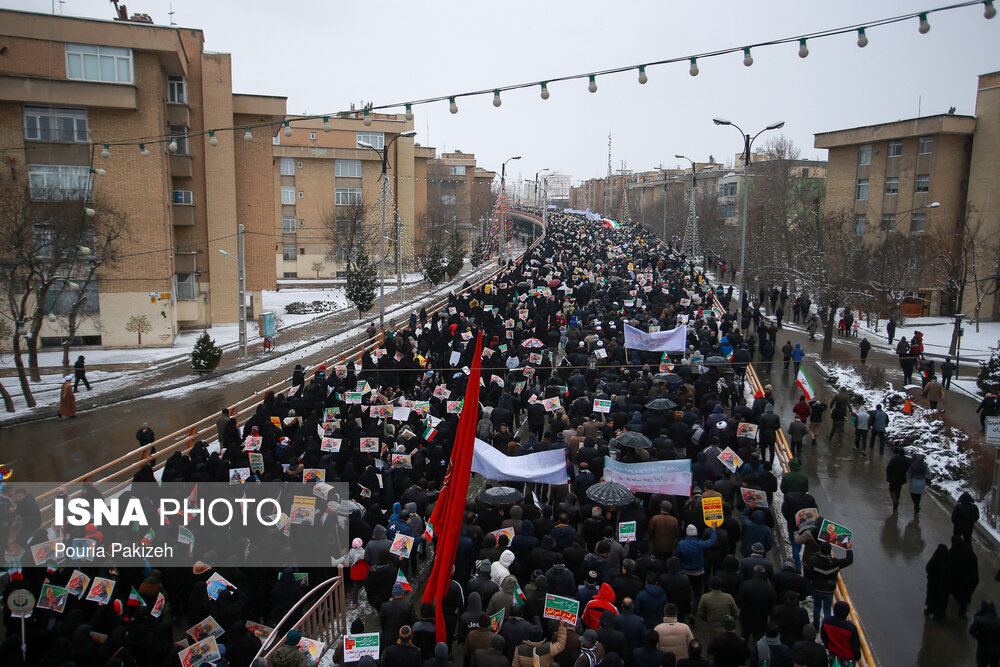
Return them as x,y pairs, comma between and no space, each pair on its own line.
450,507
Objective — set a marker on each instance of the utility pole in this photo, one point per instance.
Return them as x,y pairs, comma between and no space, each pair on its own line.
241,285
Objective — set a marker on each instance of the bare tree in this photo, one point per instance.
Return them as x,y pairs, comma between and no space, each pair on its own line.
953,258
895,266
347,230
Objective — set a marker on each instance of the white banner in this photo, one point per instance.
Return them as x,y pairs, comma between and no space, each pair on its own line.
674,340
547,467
672,477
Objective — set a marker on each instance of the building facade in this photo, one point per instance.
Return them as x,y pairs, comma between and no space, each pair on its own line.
459,198
71,89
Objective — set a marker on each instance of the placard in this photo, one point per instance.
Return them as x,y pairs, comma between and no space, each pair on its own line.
53,598
239,475
730,459
303,510
552,404
329,414
401,461
602,405
358,646
496,620
829,531
561,609
806,515
369,445
100,590
330,445
205,651
256,462
313,475
748,431
711,511
252,443
402,545
754,498
311,648
454,407
215,585
205,629
78,583
353,397
442,392
626,531
261,632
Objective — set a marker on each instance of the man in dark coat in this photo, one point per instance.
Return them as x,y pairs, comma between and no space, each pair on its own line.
895,475
963,569
394,615
964,517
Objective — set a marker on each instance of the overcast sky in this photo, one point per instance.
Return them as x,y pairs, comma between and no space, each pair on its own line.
325,55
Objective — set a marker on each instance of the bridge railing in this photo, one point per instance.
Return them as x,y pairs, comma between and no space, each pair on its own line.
321,615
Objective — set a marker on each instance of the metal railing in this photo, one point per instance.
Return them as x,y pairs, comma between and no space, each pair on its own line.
121,470
784,453
322,616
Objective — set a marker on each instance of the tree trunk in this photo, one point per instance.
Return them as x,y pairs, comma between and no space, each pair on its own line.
22,375
828,327
8,402
32,343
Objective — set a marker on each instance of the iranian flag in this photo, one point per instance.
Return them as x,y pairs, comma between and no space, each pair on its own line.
519,594
429,433
429,532
802,380
401,580
135,600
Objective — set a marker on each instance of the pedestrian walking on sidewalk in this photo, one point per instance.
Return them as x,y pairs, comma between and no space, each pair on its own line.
67,399
816,410
865,348
895,475
80,373
948,368
890,330
878,422
934,392
838,415
797,354
786,353
861,424
919,475
964,517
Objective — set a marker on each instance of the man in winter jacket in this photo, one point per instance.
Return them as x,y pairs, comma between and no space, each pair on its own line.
817,408
536,652
289,654
650,601
662,530
403,653
861,425
807,652
895,475
786,353
822,571
964,517
595,609
691,552
755,531
879,422
770,424
492,656
715,606
797,355
674,635
840,636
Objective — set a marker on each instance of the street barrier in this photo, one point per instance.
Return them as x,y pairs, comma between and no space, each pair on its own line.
322,617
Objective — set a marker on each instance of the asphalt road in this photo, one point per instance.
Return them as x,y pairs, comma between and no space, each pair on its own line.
887,581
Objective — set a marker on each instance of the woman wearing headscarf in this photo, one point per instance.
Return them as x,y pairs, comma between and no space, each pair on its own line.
919,475
938,583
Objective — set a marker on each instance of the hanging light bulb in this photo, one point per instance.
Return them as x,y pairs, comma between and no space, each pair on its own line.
803,49
862,38
288,129
642,74
409,112
694,67
989,10
452,107
747,58
51,317
143,151
925,27
592,86
212,140
367,120
90,212
248,135
99,172
172,146
106,152
496,98
545,90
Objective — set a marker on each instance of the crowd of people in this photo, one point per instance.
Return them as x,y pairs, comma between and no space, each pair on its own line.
552,325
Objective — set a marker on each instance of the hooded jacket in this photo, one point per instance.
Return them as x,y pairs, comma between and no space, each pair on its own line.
603,601
504,598
501,569
840,636
755,530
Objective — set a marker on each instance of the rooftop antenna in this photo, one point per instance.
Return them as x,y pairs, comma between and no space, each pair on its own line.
171,14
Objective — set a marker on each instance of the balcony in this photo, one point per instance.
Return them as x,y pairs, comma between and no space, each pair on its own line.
178,115
38,90
182,215
181,166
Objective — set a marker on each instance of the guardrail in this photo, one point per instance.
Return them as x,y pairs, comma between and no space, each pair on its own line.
323,618
120,470
784,453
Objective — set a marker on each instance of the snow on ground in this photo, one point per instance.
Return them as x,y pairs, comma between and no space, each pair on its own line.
917,433
937,335
275,302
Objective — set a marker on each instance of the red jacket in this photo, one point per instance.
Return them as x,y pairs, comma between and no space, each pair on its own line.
602,602
802,410
841,638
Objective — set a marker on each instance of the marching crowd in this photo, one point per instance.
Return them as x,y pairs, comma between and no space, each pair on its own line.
681,593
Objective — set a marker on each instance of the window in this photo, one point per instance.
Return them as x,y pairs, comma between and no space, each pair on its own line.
288,195
176,90
922,183
301,194
276,139
376,139
288,224
925,146
290,274
348,169
892,186
300,164
860,224
347,196
888,221
287,166
861,194
728,189
48,124
805,172
179,133
448,200
98,63
458,170
288,252
183,197
918,223
729,210
60,299
896,148
302,251
864,154
186,289
312,135
44,241
58,181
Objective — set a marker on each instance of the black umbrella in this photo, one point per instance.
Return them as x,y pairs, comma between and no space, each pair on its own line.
663,404
501,495
632,439
716,360
523,285
610,494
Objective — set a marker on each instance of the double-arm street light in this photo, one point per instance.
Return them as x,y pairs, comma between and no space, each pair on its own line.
503,213
747,144
384,154
536,183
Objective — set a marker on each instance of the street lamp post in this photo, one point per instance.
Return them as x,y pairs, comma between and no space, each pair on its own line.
747,144
384,154
503,214
536,183
241,272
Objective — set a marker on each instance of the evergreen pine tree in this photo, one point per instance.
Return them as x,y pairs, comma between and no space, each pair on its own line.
361,283
989,372
456,258
434,264
206,354
478,252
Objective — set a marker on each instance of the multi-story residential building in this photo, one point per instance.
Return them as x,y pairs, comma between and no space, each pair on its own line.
459,197
76,97
909,176
327,190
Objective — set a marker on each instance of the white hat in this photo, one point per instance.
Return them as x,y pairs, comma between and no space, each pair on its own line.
67,378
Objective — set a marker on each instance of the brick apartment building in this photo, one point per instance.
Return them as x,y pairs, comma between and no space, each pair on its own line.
113,81
459,198
924,176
